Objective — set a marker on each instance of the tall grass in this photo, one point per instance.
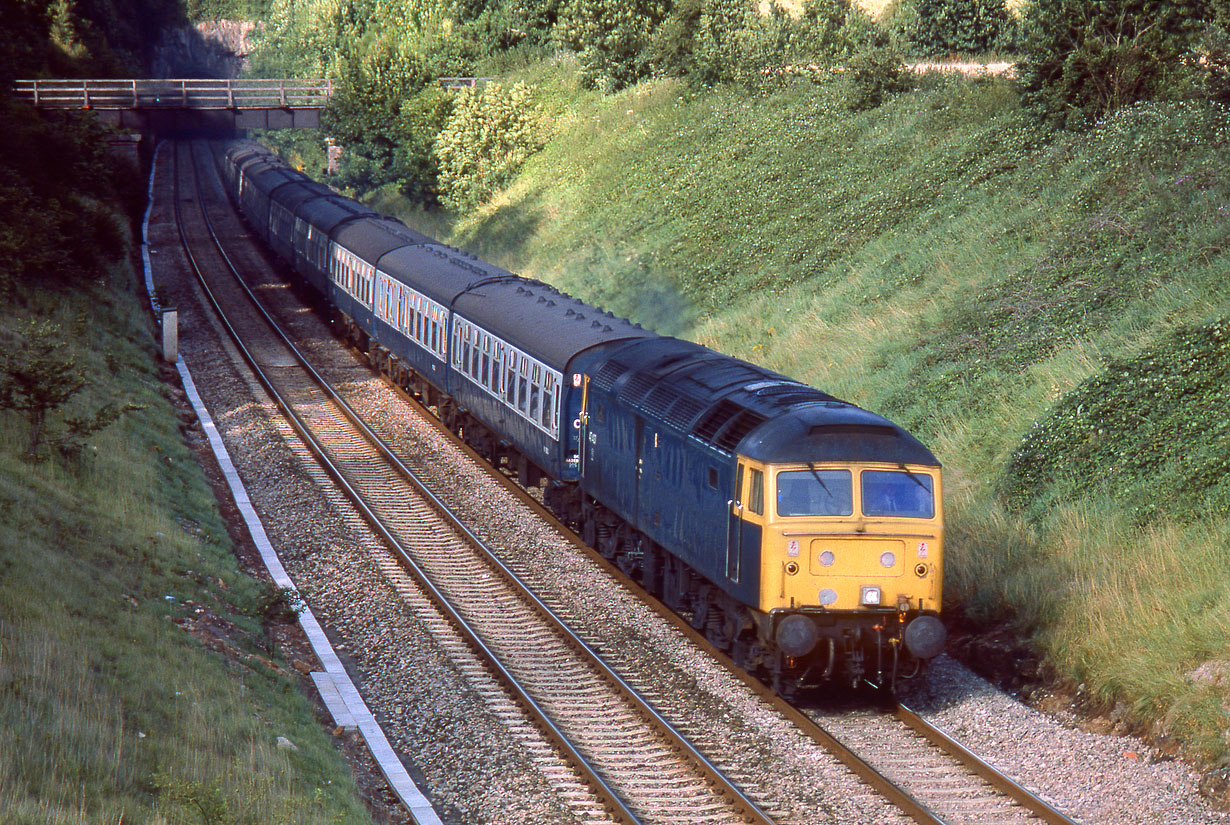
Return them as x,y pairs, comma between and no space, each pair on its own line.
109,711
947,262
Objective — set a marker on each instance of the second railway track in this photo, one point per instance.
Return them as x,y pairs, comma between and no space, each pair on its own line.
778,767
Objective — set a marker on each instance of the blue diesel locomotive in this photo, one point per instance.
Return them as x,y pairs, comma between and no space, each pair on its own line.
802,534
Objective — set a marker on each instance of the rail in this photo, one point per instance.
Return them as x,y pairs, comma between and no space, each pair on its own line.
176,94
747,809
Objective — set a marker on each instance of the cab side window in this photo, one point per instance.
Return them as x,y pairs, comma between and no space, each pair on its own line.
755,492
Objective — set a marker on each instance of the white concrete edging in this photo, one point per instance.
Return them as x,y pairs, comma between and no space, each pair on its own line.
352,711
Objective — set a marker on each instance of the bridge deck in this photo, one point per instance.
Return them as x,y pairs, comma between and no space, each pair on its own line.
176,94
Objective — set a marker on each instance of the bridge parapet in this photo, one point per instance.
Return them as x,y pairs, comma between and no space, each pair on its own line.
201,94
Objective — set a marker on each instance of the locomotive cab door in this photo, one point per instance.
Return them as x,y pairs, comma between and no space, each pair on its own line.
746,516
583,446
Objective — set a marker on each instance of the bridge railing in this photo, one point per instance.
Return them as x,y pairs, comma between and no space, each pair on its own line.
176,94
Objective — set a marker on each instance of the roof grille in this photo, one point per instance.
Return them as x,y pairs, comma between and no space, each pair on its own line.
659,400
683,411
715,419
733,433
607,373
635,389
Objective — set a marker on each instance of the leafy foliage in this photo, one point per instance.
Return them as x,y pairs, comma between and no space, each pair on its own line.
611,38
38,375
365,114
1211,57
958,26
724,41
57,180
876,72
491,132
1150,432
1082,59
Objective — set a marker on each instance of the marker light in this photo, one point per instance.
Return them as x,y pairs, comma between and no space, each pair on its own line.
869,595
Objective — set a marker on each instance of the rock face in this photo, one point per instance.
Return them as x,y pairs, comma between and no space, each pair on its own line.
213,48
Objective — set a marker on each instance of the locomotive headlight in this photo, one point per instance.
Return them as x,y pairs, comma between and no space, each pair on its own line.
869,595
888,559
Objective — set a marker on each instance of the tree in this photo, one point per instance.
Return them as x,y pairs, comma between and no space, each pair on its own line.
38,374
365,115
1082,59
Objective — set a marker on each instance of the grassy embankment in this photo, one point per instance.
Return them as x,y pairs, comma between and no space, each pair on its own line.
999,290
109,711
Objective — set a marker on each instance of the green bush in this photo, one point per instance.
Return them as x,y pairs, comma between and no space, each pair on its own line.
958,26
422,119
1212,59
611,38
365,115
491,132
734,42
717,47
58,179
875,73
1082,59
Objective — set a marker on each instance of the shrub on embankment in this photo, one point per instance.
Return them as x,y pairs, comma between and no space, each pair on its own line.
1002,289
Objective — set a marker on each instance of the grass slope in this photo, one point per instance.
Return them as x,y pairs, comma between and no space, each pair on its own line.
946,262
109,711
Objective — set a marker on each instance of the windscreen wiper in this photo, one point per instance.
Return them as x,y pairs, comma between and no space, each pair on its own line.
914,478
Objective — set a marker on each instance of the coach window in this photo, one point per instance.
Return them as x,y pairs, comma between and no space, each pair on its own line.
548,401
535,389
486,379
523,396
510,378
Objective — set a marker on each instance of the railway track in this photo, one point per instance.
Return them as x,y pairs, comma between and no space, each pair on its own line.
639,767
585,696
